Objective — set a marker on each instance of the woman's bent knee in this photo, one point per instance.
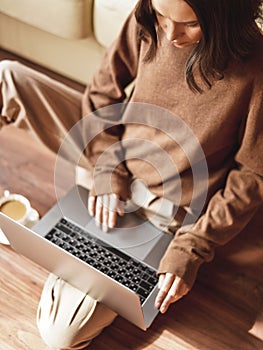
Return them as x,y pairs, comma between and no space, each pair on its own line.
68,318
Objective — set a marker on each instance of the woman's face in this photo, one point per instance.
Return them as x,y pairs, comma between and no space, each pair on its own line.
178,21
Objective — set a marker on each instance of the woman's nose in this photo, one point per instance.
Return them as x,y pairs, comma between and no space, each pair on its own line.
173,30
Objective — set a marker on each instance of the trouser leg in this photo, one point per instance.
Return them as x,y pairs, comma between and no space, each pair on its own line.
68,318
46,108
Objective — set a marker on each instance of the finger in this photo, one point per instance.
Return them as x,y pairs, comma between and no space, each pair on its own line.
166,303
165,287
176,292
91,205
98,210
170,297
113,210
161,280
179,287
105,212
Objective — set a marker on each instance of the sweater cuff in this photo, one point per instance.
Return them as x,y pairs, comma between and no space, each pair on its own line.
111,183
180,263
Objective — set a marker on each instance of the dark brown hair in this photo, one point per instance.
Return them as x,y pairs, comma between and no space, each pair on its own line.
229,31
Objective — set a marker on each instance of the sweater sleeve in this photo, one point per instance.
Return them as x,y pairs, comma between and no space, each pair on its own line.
102,107
231,208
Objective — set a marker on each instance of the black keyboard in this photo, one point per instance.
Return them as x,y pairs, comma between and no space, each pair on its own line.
114,263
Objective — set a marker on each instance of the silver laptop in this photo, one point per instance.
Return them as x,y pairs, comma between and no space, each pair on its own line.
116,268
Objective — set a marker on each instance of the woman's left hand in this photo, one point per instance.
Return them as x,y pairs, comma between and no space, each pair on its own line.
171,289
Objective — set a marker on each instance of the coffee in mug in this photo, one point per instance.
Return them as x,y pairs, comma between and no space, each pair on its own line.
14,209
18,208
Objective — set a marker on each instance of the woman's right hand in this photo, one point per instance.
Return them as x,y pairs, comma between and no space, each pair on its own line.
105,209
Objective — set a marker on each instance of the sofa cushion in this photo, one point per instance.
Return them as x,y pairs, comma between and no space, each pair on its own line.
109,16
65,18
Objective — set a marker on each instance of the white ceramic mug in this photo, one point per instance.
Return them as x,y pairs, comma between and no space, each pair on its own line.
19,209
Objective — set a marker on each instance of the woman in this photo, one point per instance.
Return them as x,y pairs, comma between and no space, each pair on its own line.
202,61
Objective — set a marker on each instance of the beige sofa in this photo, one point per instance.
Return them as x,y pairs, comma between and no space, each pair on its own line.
66,36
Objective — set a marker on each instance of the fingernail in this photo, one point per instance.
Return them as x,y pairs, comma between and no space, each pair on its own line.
162,309
105,228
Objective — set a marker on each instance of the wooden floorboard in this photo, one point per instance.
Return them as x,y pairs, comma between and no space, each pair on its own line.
218,313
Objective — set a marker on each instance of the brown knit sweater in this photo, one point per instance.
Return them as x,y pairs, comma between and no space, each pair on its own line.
203,151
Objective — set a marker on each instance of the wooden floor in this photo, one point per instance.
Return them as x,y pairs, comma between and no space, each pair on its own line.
218,314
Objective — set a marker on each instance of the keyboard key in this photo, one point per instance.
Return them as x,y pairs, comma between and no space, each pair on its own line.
143,292
146,285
